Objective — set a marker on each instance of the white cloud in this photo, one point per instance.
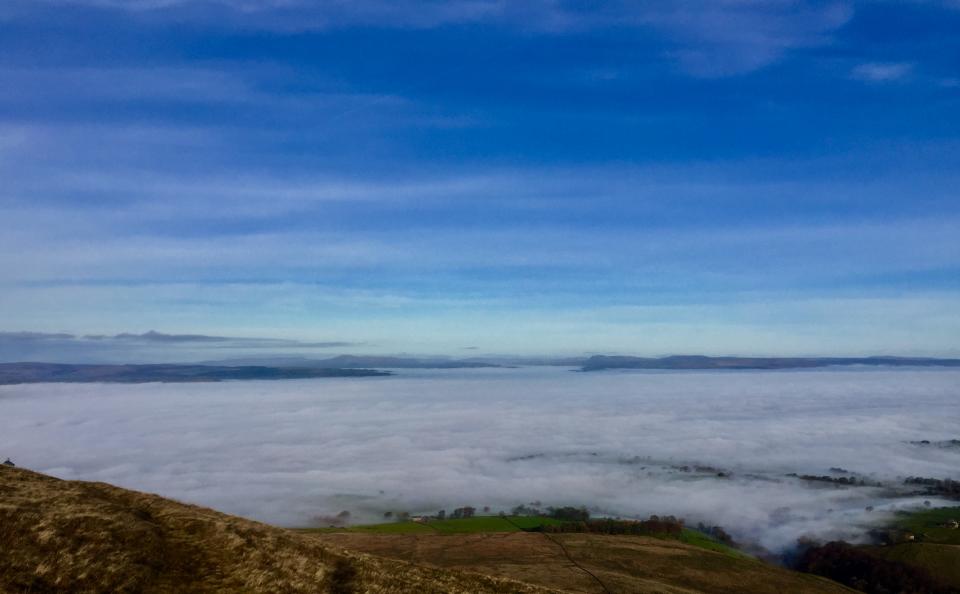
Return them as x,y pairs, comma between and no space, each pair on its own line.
69,251
708,38
736,36
125,84
397,319
287,451
882,71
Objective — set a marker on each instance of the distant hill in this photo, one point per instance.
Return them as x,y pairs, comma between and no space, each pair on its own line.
601,362
356,362
31,373
71,536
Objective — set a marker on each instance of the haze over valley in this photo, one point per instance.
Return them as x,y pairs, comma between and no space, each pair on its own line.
711,446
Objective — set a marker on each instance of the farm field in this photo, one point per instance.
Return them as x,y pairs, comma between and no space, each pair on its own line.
452,526
939,550
940,560
930,523
497,524
585,563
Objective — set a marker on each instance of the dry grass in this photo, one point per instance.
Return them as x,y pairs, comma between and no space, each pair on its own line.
622,564
70,536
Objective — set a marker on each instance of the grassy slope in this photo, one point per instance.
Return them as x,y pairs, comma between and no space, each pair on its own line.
71,536
459,526
938,553
588,563
490,524
701,540
928,521
942,561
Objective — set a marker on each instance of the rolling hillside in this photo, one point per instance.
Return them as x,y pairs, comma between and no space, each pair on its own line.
588,563
70,536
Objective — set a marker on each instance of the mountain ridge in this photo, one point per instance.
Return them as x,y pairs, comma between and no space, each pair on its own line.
602,362
31,373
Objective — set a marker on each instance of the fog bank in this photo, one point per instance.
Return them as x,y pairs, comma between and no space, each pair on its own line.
287,452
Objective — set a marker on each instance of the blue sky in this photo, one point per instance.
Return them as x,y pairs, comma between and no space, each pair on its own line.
735,177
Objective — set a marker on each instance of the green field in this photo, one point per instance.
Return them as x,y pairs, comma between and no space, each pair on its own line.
942,561
472,525
699,539
927,522
938,548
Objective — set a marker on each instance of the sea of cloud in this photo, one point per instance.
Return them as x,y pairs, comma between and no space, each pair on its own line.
289,452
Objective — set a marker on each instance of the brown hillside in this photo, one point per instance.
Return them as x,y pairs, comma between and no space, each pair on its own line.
70,536
590,563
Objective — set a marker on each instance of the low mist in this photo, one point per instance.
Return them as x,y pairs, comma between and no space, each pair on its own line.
707,446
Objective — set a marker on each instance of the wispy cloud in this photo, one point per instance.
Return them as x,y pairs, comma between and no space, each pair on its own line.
782,250
708,39
184,84
390,165
525,320
881,72
729,38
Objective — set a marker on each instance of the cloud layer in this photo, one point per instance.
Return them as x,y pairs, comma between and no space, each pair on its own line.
286,452
705,38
